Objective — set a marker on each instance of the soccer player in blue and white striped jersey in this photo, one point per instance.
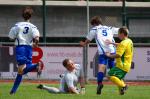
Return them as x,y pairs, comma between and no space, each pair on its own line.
25,35
102,35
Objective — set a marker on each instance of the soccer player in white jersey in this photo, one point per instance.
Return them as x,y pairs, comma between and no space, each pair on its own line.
68,83
102,34
25,35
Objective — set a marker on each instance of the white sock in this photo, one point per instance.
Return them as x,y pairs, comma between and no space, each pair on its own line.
51,89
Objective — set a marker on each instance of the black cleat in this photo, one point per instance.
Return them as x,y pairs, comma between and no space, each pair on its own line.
122,90
11,93
40,86
99,89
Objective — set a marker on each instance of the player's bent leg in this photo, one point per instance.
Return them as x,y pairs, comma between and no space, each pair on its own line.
117,81
30,67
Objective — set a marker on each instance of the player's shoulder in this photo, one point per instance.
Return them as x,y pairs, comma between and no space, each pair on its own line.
32,24
94,28
28,24
107,27
17,24
128,40
102,27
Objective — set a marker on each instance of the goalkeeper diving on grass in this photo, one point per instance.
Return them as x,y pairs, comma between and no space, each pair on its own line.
69,80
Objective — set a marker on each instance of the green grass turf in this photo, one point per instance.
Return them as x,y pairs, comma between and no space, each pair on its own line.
29,91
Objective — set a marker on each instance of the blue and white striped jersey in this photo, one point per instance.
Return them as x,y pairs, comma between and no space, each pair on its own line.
23,33
101,34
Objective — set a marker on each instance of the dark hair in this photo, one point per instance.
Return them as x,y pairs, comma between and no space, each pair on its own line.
96,20
65,62
123,30
27,13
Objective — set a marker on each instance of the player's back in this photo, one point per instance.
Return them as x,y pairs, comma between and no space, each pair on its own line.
24,33
106,33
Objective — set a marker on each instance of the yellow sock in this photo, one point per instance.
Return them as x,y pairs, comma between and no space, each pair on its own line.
117,81
123,83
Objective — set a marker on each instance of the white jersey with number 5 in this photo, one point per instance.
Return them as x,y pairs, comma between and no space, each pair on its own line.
23,33
101,34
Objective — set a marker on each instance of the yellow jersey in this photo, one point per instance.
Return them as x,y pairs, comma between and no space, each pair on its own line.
125,50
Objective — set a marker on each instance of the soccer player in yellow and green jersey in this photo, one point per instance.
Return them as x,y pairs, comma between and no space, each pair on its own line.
124,54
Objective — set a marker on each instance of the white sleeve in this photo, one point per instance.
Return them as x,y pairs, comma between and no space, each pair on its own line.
35,32
115,30
13,33
91,34
69,80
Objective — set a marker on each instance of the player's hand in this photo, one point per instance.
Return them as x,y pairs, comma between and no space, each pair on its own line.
82,91
34,45
82,43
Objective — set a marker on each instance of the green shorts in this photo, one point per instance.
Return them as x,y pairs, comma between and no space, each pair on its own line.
117,72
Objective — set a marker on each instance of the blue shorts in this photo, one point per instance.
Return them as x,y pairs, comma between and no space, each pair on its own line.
24,54
103,59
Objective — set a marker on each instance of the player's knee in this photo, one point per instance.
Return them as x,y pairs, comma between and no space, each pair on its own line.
102,68
21,69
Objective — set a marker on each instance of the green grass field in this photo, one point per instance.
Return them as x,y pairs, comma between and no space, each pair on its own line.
29,91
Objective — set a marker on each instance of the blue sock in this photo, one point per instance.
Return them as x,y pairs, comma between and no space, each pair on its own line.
100,76
16,83
29,68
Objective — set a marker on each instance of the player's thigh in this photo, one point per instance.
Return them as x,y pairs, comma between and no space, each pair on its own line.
29,54
117,72
111,62
21,55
